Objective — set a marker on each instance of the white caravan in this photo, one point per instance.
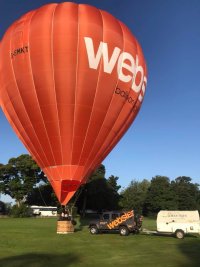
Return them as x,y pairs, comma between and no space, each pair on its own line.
178,222
44,211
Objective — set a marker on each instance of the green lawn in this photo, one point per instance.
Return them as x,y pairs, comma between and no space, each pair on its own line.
34,243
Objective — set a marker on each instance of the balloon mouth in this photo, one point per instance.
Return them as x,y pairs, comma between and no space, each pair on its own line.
69,185
68,189
65,180
65,189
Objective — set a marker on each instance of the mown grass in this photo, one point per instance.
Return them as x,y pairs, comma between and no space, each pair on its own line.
34,243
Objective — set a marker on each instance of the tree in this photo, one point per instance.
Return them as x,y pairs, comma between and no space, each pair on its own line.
112,181
2,207
98,173
134,195
113,189
99,193
198,199
160,196
186,193
42,195
19,177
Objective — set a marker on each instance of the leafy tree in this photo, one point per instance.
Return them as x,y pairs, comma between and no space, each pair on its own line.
2,207
134,195
19,177
114,194
186,193
159,196
198,199
112,181
84,191
99,193
42,195
21,211
98,173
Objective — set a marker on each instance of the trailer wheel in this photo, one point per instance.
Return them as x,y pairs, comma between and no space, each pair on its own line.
93,230
179,234
123,230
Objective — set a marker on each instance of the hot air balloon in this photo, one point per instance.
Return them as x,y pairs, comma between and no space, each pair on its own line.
72,81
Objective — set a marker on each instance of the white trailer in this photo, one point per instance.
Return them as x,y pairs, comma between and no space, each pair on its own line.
44,211
178,223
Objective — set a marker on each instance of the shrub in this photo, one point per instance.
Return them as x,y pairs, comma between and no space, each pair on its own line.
2,208
20,211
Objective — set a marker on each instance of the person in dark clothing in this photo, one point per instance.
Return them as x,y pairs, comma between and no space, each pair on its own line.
65,216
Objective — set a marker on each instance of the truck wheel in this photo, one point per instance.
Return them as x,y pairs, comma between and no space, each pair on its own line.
179,234
93,230
123,230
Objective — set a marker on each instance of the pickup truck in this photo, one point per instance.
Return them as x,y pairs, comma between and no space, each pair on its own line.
124,222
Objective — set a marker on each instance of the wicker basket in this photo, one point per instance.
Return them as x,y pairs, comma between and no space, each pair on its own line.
65,227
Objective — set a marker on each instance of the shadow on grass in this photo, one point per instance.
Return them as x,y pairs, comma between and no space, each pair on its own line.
81,224
191,248
40,260
167,235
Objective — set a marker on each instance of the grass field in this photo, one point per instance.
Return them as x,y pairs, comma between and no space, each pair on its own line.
34,243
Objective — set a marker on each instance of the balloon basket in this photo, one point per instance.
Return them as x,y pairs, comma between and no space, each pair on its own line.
65,227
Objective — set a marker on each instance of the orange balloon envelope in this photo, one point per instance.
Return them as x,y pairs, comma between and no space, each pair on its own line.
72,81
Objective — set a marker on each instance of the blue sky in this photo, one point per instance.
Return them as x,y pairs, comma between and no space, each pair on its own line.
164,139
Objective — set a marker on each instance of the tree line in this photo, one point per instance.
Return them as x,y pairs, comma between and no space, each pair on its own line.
23,180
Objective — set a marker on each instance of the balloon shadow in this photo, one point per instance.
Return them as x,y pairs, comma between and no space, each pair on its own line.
81,224
40,260
190,248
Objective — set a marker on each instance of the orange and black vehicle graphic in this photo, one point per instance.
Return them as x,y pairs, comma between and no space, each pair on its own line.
119,220
124,222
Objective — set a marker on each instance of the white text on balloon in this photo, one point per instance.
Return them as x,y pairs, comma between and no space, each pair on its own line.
108,64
